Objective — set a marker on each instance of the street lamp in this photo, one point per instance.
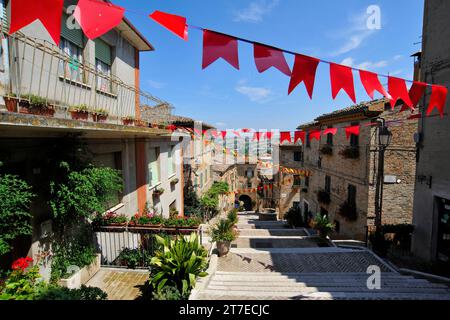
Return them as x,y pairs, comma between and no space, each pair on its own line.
384,140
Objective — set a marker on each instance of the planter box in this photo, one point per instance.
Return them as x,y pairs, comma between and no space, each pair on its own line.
128,122
82,276
79,115
99,118
37,111
11,104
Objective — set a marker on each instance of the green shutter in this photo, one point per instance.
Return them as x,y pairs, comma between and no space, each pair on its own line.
102,51
73,35
4,16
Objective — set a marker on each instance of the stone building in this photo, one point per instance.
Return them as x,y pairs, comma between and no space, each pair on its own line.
344,173
431,238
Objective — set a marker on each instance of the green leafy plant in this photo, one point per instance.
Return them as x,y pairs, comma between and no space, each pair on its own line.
15,216
223,231
173,214
178,263
147,219
169,293
100,112
294,218
70,254
110,218
62,293
82,108
133,258
233,216
323,225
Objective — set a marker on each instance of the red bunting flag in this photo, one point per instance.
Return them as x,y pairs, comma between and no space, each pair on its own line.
173,23
245,130
49,12
224,134
315,134
437,99
342,78
266,58
257,136
269,135
215,134
352,130
217,46
172,127
285,136
332,131
398,90
97,17
416,92
236,133
299,135
304,71
371,83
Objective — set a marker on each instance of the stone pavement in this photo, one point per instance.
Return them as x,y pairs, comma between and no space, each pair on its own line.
270,262
119,284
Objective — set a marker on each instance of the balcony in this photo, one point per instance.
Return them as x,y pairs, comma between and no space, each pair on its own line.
46,82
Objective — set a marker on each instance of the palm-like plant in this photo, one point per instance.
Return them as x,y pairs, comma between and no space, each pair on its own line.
178,263
233,216
223,231
323,225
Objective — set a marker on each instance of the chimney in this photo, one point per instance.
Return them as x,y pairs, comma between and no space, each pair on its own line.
417,65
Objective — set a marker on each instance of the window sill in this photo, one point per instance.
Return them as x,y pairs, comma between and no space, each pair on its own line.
172,176
115,208
75,83
154,186
106,93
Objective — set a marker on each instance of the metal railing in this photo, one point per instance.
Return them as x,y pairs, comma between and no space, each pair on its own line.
40,68
133,247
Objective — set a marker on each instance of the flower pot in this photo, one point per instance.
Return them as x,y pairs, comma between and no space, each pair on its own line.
99,117
36,110
128,122
79,115
11,104
223,247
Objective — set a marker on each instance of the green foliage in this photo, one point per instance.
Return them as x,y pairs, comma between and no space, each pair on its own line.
79,108
62,293
178,263
70,254
223,231
15,216
323,225
34,100
22,285
110,218
133,258
233,216
85,192
218,188
147,219
294,218
169,293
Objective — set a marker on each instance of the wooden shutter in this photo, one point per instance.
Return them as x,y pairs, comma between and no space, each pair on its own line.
103,51
73,35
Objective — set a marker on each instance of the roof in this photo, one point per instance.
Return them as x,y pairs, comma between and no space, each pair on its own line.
308,125
132,34
162,114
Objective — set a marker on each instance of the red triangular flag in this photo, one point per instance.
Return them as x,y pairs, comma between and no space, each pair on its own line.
398,90
172,127
285,136
236,133
416,92
97,18
437,99
304,71
266,58
332,131
352,130
245,130
215,134
49,12
315,134
299,135
269,135
342,78
257,136
224,134
174,23
217,46
371,83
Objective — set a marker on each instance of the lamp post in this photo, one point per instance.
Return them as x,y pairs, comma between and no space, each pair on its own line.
384,140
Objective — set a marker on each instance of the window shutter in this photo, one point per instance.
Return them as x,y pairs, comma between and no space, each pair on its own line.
73,35
103,51
4,17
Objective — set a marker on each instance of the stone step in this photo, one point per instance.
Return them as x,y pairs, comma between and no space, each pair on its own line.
282,242
272,233
315,275
247,295
308,289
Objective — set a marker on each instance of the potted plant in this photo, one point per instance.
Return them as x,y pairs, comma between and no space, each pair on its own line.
146,220
173,214
100,115
128,121
32,104
158,191
223,234
11,102
80,112
191,223
173,223
323,226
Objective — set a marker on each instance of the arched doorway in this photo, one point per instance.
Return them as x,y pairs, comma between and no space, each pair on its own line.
247,202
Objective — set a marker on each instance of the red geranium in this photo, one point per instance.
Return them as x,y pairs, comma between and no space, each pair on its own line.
21,263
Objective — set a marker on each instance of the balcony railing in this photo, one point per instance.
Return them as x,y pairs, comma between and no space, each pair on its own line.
42,75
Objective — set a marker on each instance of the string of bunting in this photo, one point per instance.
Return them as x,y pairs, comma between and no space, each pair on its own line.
97,17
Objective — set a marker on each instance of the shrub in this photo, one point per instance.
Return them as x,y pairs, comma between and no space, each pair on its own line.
110,218
348,211
133,258
15,216
169,293
62,293
323,225
178,264
233,216
70,254
294,217
223,231
323,197
143,219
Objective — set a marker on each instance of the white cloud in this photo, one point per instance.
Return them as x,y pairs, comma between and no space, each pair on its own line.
221,124
255,94
156,84
366,65
256,11
398,57
347,62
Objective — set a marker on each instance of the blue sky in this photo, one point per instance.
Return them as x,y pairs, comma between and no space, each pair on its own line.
328,29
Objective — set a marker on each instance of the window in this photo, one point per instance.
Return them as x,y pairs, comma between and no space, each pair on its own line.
297,180
103,63
354,140
351,195
306,181
154,170
329,139
308,140
296,204
298,156
250,173
172,162
72,44
328,184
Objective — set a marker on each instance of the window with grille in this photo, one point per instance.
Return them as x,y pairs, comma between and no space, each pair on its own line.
72,45
351,195
329,139
298,156
354,140
103,63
